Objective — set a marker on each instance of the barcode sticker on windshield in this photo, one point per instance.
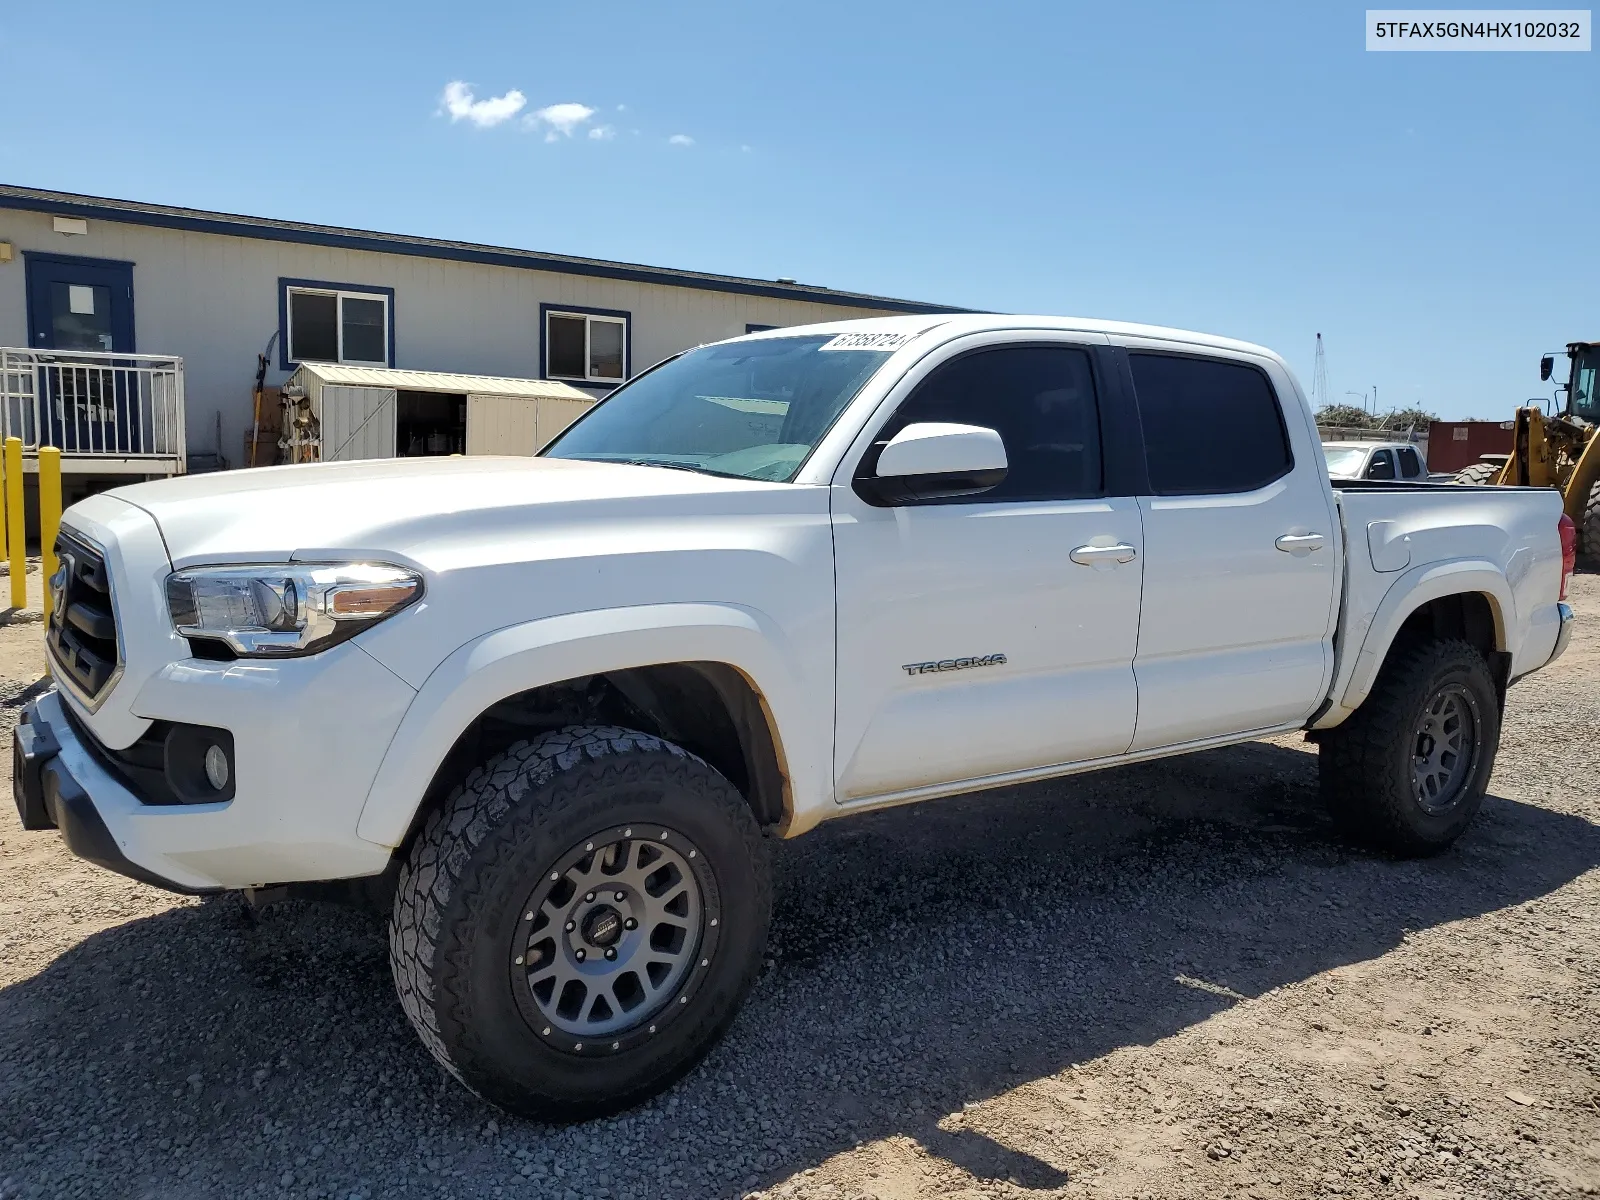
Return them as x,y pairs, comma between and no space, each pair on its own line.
868,341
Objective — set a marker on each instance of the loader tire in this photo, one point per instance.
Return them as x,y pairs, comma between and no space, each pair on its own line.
578,924
1589,530
1477,474
1406,773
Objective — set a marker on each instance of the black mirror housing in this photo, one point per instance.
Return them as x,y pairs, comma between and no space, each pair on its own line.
1547,366
889,491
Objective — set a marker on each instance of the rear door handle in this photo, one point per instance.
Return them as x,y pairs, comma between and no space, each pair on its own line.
1300,543
1095,556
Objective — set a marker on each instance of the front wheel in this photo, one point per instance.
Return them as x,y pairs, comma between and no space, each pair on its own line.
1589,531
578,924
1408,770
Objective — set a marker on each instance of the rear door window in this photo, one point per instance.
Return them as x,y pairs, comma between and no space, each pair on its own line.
1210,426
1410,463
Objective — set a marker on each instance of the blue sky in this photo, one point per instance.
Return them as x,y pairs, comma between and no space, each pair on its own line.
1243,169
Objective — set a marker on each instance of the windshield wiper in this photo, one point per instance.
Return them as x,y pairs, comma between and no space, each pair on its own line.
672,465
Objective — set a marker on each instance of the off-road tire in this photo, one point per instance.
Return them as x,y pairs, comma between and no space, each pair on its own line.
1366,764
1477,473
458,905
1589,530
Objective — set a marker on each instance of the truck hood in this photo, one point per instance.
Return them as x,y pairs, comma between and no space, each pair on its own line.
405,507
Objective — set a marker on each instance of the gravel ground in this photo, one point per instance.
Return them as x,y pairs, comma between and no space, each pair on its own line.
1163,981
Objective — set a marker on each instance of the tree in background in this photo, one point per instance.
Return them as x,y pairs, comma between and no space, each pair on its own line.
1353,416
1409,418
1346,416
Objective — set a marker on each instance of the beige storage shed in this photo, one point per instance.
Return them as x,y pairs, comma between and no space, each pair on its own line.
335,413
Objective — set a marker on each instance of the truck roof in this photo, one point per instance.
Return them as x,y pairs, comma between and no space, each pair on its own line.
957,324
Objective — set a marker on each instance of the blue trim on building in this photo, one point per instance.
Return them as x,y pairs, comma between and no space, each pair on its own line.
577,310
224,224
285,363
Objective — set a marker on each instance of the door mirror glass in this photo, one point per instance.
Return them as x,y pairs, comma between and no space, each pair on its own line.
1547,366
935,460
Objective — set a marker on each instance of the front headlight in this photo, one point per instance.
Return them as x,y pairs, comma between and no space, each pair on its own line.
281,609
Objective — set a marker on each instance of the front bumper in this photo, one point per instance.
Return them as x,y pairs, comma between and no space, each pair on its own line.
49,795
308,737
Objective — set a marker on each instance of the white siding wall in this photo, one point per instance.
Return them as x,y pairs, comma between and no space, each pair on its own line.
214,300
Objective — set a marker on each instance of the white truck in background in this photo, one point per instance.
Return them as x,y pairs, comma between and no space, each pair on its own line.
555,704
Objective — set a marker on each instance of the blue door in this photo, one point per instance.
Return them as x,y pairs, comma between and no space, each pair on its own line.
84,304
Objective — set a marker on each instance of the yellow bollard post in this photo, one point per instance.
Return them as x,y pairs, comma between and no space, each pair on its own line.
3,539
16,531
49,516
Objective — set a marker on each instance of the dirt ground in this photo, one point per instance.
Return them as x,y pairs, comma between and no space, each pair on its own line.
1163,981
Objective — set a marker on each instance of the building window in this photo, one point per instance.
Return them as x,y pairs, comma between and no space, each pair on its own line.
337,323
587,345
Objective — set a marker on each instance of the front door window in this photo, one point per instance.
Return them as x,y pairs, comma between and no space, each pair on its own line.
80,317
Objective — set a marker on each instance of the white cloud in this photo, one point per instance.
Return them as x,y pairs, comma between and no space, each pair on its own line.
458,101
602,133
680,139
559,120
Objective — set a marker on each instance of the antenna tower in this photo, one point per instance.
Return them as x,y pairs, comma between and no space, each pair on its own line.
1320,398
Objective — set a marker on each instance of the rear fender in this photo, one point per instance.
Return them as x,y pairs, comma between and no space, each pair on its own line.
519,657
1358,672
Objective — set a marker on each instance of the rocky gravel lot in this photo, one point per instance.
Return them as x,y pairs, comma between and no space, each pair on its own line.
1165,981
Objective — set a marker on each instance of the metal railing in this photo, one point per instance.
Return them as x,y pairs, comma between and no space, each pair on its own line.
93,405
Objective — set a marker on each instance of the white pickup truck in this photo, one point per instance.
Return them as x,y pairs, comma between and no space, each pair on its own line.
553,705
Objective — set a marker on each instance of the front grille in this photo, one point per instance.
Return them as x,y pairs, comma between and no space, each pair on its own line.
83,626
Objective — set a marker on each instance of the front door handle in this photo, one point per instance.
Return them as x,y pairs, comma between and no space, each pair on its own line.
1300,543
1094,556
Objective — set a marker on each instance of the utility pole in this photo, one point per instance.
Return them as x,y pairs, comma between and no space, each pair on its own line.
1374,399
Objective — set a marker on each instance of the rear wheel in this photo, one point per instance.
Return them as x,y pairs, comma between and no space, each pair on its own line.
1407,771
1477,473
576,927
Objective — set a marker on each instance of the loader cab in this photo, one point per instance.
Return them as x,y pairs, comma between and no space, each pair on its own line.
1583,385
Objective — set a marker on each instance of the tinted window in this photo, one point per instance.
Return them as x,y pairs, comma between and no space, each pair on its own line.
1410,464
1381,466
314,327
564,348
1209,426
1041,401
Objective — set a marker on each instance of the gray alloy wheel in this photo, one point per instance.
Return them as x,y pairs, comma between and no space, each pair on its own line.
1446,751
612,932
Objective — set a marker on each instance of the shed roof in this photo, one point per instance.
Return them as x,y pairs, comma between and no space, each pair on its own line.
199,220
441,381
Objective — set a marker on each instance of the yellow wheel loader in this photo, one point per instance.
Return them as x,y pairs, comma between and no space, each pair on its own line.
1560,451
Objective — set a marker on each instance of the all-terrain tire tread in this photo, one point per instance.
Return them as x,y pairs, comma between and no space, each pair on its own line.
1357,757
1477,473
1589,531
434,873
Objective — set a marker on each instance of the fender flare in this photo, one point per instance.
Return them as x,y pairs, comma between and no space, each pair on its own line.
516,658
1410,592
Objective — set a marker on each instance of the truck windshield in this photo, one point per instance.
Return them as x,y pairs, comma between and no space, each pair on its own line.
751,409
1345,461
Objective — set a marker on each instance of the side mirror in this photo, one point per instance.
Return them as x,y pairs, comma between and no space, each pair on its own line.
1547,366
935,461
